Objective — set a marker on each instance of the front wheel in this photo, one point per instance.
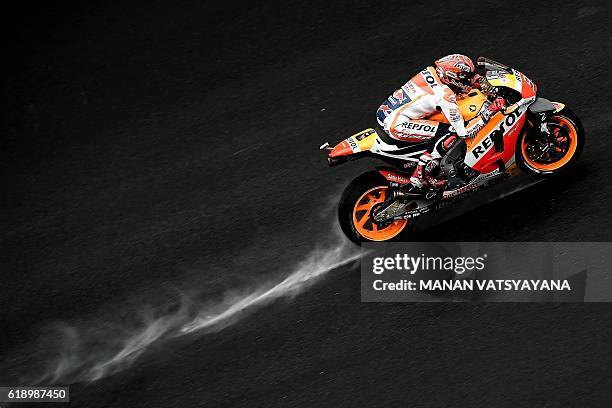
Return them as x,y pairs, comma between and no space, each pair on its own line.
355,209
545,155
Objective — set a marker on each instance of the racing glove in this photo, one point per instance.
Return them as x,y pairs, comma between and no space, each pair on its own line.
480,82
491,109
477,81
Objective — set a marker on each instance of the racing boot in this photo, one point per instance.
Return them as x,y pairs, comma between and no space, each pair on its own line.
421,177
437,183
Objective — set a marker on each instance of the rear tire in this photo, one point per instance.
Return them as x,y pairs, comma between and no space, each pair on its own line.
569,123
358,198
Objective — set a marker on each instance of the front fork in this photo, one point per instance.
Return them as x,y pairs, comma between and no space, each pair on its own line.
542,124
546,140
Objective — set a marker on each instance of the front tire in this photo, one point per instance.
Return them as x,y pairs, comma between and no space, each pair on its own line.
355,206
569,137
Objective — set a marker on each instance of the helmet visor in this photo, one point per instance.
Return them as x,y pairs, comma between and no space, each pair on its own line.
465,77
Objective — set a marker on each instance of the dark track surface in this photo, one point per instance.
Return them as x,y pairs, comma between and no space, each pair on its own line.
154,149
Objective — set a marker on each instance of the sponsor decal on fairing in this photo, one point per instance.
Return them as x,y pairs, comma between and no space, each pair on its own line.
505,126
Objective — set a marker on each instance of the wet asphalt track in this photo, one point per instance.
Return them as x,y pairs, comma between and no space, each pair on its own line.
151,149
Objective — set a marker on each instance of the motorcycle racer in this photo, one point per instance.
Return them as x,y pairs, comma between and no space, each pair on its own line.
404,114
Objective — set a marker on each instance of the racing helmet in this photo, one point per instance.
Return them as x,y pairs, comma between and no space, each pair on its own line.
457,71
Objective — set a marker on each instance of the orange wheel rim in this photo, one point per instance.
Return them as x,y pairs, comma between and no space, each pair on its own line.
363,222
572,136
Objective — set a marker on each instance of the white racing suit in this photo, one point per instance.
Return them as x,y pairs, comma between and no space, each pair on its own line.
404,117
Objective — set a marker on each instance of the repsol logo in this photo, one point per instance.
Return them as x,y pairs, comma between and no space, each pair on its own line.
517,75
419,126
429,78
487,142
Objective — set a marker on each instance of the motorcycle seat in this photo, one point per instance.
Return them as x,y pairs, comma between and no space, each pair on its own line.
384,136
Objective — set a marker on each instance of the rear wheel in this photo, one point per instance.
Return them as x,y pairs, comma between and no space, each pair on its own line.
547,155
358,201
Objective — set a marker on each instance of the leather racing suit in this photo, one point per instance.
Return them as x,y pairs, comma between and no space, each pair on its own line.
404,118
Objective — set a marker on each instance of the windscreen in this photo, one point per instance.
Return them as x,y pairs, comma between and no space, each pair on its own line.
491,65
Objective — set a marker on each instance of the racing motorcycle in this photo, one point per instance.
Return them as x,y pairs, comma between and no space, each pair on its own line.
540,136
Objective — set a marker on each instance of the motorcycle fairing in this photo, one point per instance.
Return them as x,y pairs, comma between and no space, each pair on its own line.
495,142
473,185
359,142
514,80
394,176
369,141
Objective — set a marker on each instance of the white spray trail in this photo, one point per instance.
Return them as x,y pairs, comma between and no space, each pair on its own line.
305,274
91,353
94,353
